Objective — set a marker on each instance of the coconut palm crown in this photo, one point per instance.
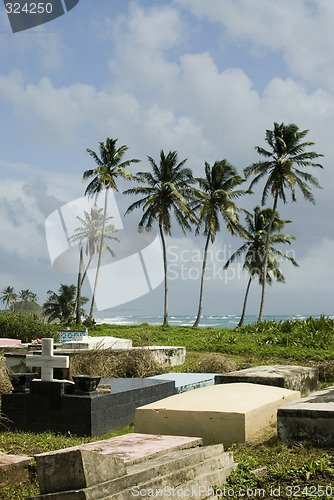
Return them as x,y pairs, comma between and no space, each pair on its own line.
167,191
215,200
287,156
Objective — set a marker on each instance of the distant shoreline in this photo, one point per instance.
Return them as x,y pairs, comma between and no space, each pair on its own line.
213,321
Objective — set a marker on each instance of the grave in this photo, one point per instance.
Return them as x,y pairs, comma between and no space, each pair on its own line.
187,381
134,465
226,413
9,342
86,342
62,406
308,420
295,378
13,469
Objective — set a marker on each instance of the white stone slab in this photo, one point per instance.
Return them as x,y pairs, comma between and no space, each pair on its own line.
188,381
227,413
86,342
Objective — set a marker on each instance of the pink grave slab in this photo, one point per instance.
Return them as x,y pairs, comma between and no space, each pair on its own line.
8,342
134,447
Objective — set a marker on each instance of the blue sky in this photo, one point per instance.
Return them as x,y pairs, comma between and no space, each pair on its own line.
203,77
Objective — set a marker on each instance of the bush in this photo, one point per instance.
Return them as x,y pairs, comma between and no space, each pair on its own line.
107,363
216,363
24,327
326,370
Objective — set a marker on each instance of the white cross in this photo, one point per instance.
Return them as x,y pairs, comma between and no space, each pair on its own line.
47,361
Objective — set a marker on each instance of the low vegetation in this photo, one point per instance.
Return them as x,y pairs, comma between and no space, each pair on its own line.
24,326
265,469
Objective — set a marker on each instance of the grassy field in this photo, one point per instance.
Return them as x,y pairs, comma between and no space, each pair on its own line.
282,472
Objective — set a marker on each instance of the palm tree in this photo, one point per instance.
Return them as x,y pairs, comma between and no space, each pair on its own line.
8,297
88,236
282,168
61,305
109,168
254,248
215,198
168,190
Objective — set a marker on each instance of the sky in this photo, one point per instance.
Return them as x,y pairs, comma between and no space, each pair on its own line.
205,78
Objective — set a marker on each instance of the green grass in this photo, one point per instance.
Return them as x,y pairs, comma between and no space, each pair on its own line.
284,472
298,340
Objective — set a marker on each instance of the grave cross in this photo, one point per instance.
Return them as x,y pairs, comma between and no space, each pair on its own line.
47,361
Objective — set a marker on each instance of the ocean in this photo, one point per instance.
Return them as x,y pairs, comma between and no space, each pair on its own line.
220,321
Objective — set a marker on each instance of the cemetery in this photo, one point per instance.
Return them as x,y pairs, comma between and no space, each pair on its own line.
183,422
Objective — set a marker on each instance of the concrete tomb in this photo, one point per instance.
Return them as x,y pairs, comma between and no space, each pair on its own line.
134,465
295,378
86,342
226,413
308,420
187,381
13,469
9,342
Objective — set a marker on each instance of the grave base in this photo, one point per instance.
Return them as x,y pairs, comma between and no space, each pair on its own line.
308,420
54,406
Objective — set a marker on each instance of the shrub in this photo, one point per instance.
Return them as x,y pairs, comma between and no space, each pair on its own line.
108,363
216,363
24,327
326,370
5,384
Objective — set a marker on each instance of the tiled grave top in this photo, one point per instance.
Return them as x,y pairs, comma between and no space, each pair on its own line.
128,384
67,335
296,378
133,448
187,381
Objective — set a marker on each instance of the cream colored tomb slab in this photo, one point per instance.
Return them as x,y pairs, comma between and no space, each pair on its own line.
228,413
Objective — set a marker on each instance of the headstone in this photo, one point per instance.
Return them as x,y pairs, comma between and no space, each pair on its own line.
187,381
308,420
226,413
47,361
134,465
295,378
68,335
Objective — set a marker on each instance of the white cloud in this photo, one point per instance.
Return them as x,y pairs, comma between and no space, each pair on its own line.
301,30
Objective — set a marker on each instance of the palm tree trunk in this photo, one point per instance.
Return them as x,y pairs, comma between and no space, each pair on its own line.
90,317
78,301
164,253
87,267
199,313
242,319
265,263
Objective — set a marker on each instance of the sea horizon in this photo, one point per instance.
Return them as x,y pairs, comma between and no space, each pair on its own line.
211,321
